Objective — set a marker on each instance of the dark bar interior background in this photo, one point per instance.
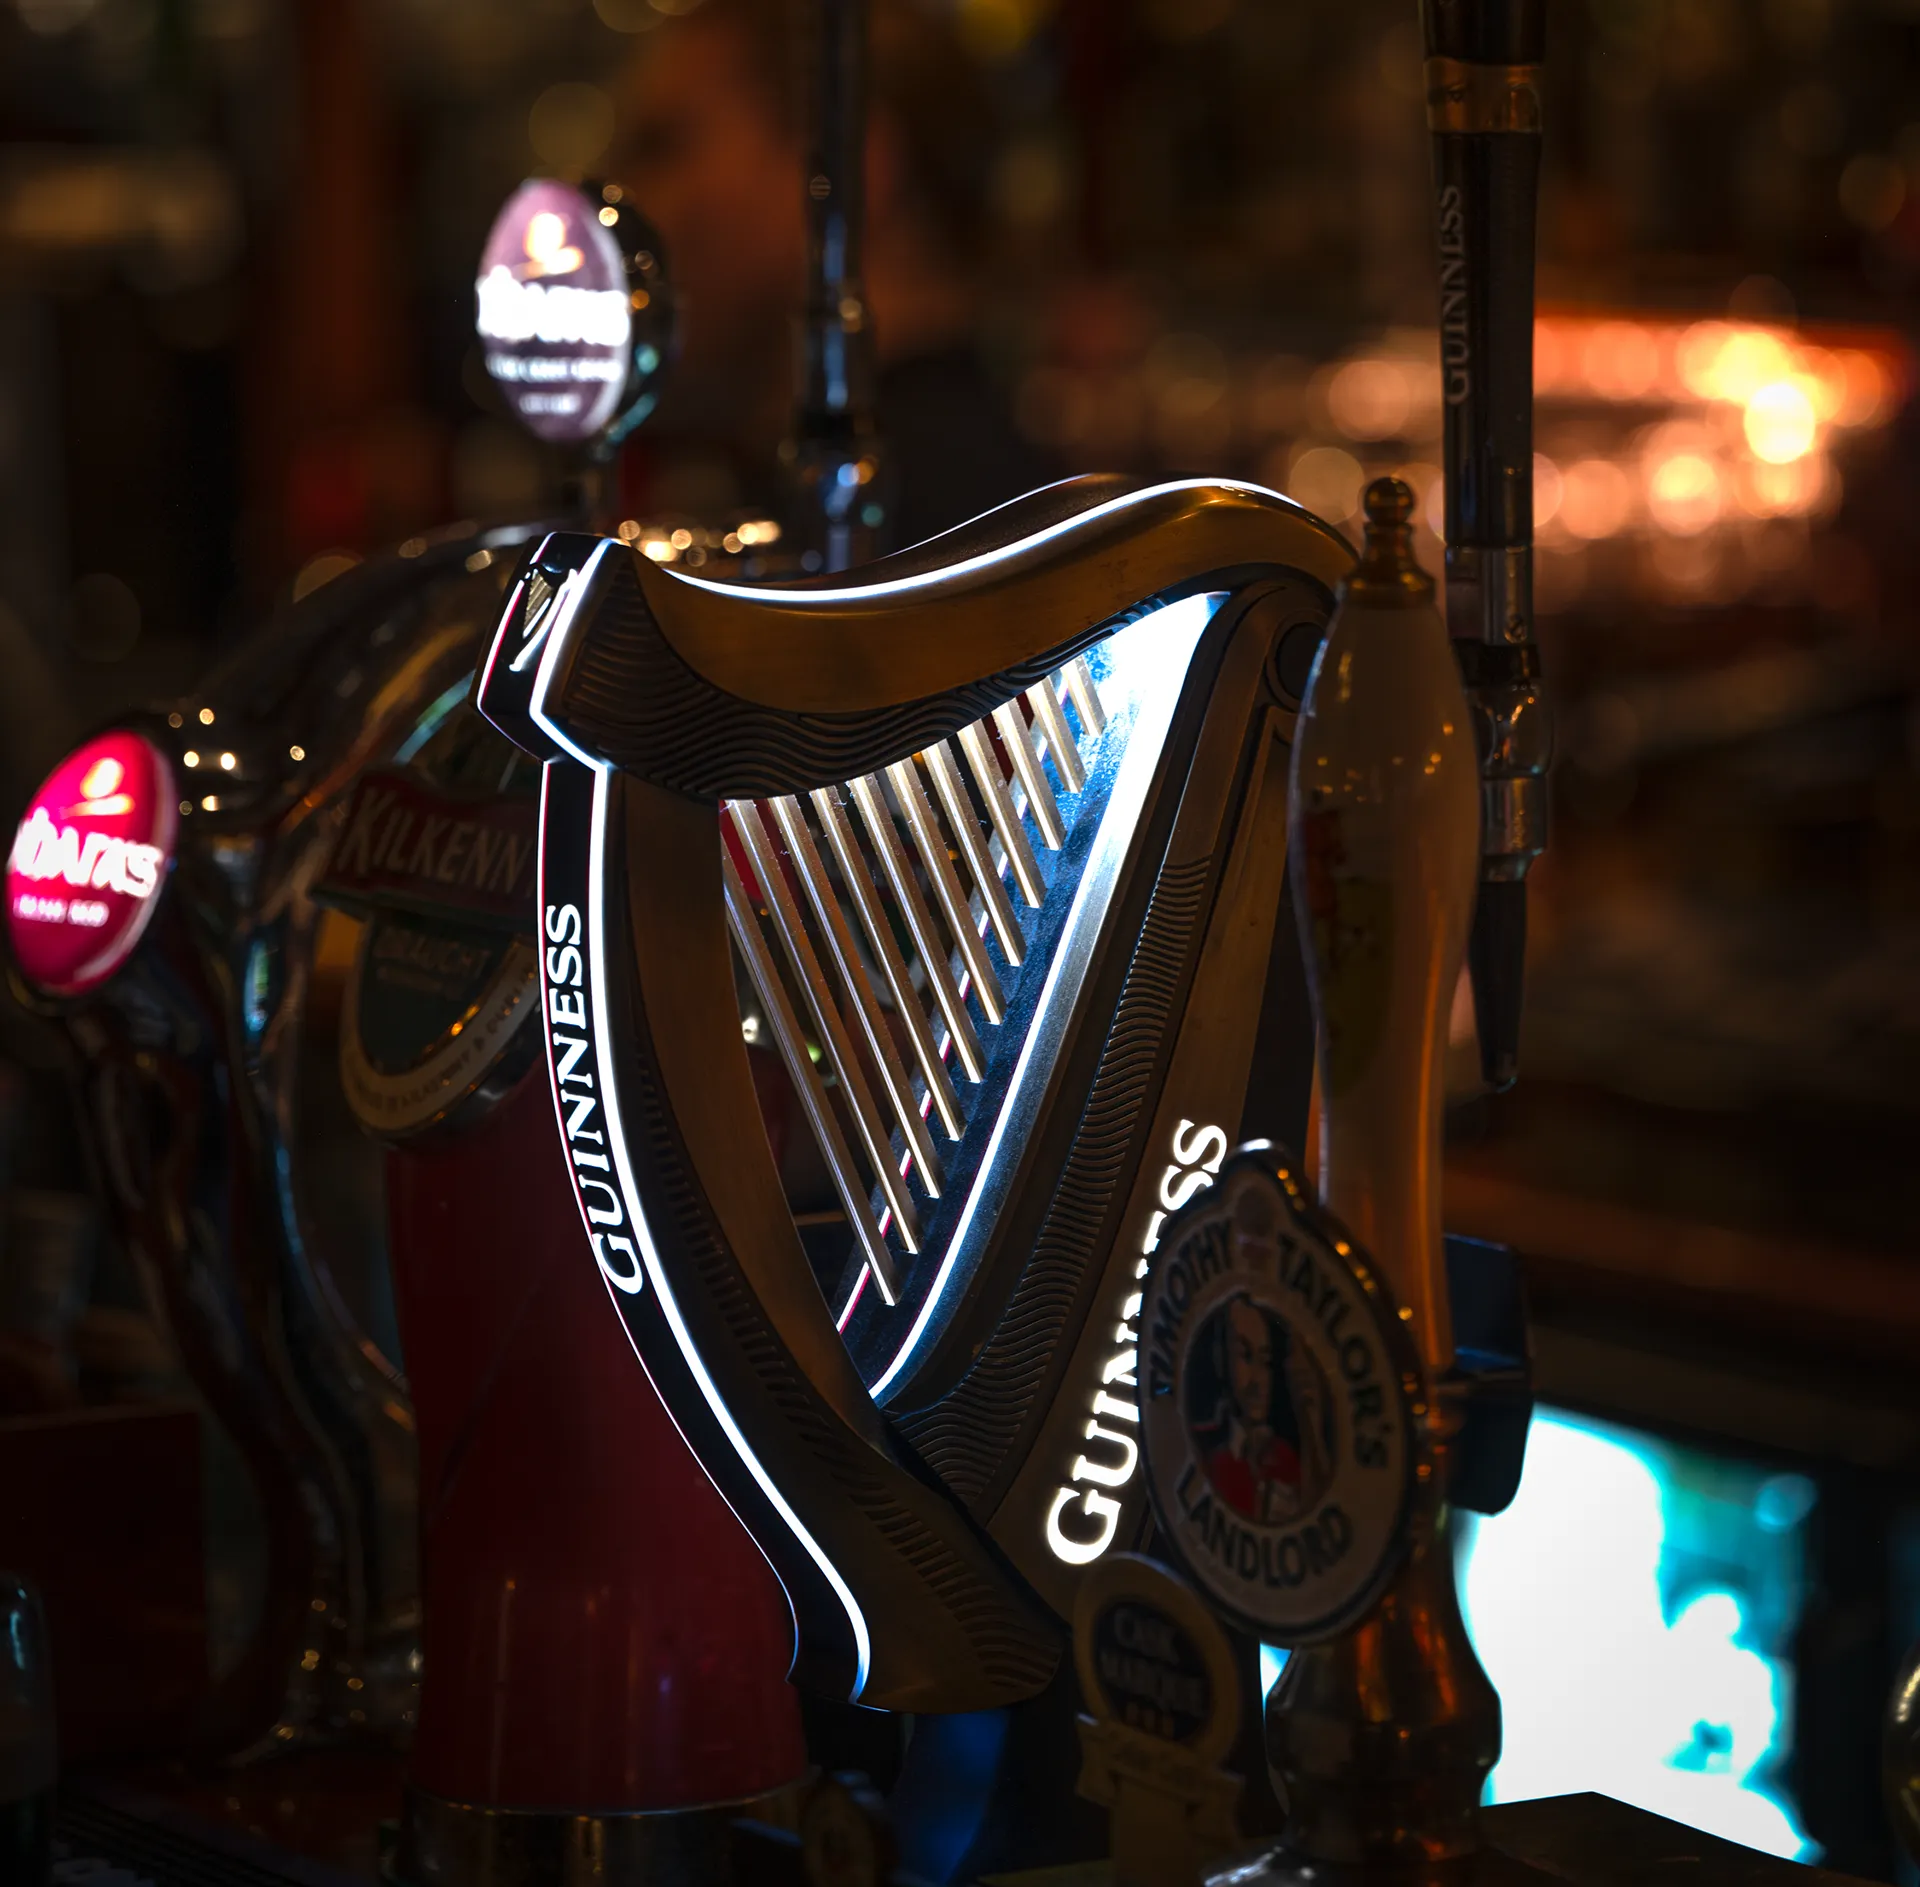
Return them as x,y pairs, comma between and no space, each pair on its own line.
237,244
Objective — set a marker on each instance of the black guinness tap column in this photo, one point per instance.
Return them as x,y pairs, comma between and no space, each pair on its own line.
834,454
1483,105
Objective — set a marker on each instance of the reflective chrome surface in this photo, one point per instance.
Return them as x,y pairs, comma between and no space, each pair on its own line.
451,1844
195,1056
1900,1754
1381,1741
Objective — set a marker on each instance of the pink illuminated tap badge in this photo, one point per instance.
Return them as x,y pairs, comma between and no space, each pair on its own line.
553,311
88,862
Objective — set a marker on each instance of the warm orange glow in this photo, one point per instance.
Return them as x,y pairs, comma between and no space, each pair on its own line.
1869,391
1548,490
1780,422
1745,360
1327,481
1596,498
1823,378
1695,354
1555,355
1369,399
1426,483
1621,360
1684,494
1788,490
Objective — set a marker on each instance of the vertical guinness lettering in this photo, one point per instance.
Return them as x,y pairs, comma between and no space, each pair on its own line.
570,1040
1113,1453
1456,347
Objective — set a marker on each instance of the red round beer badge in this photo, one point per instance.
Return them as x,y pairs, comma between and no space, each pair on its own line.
88,862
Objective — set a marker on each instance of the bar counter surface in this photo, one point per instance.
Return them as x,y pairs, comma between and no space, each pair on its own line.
316,1821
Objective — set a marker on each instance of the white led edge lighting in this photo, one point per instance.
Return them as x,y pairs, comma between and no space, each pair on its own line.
630,1193
987,560
517,660
559,621
1169,637
492,658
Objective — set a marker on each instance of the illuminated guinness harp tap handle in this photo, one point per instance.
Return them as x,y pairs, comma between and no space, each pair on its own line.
1483,106
1049,751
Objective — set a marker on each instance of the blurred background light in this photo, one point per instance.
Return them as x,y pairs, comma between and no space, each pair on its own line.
1596,498
1634,1607
1780,422
570,125
1327,481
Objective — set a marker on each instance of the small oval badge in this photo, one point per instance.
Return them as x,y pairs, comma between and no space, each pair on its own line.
554,313
89,861
1280,1397
1152,1657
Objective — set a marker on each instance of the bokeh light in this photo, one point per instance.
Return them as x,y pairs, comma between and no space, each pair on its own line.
1567,1595
1327,481
1621,360
1780,422
1868,398
1738,364
1596,498
1369,399
570,125
1872,191
1684,493
1792,489
1549,488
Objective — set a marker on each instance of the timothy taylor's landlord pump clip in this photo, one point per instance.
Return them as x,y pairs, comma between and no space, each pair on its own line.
1279,1390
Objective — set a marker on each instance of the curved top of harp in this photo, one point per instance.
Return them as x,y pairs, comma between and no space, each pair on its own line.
719,689
1014,585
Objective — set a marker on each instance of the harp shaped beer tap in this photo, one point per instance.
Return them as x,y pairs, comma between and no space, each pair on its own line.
997,830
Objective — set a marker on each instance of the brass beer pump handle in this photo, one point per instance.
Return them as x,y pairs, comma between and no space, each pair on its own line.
1383,1736
1386,814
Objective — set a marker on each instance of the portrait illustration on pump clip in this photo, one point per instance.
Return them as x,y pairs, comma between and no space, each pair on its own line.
1259,1413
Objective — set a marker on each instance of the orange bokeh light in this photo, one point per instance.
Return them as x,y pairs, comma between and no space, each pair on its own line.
1684,494
1596,498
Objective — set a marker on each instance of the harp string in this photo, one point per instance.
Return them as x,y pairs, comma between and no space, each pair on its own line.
867,919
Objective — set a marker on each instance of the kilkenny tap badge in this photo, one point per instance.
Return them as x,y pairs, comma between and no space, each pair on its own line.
1278,1393
445,976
